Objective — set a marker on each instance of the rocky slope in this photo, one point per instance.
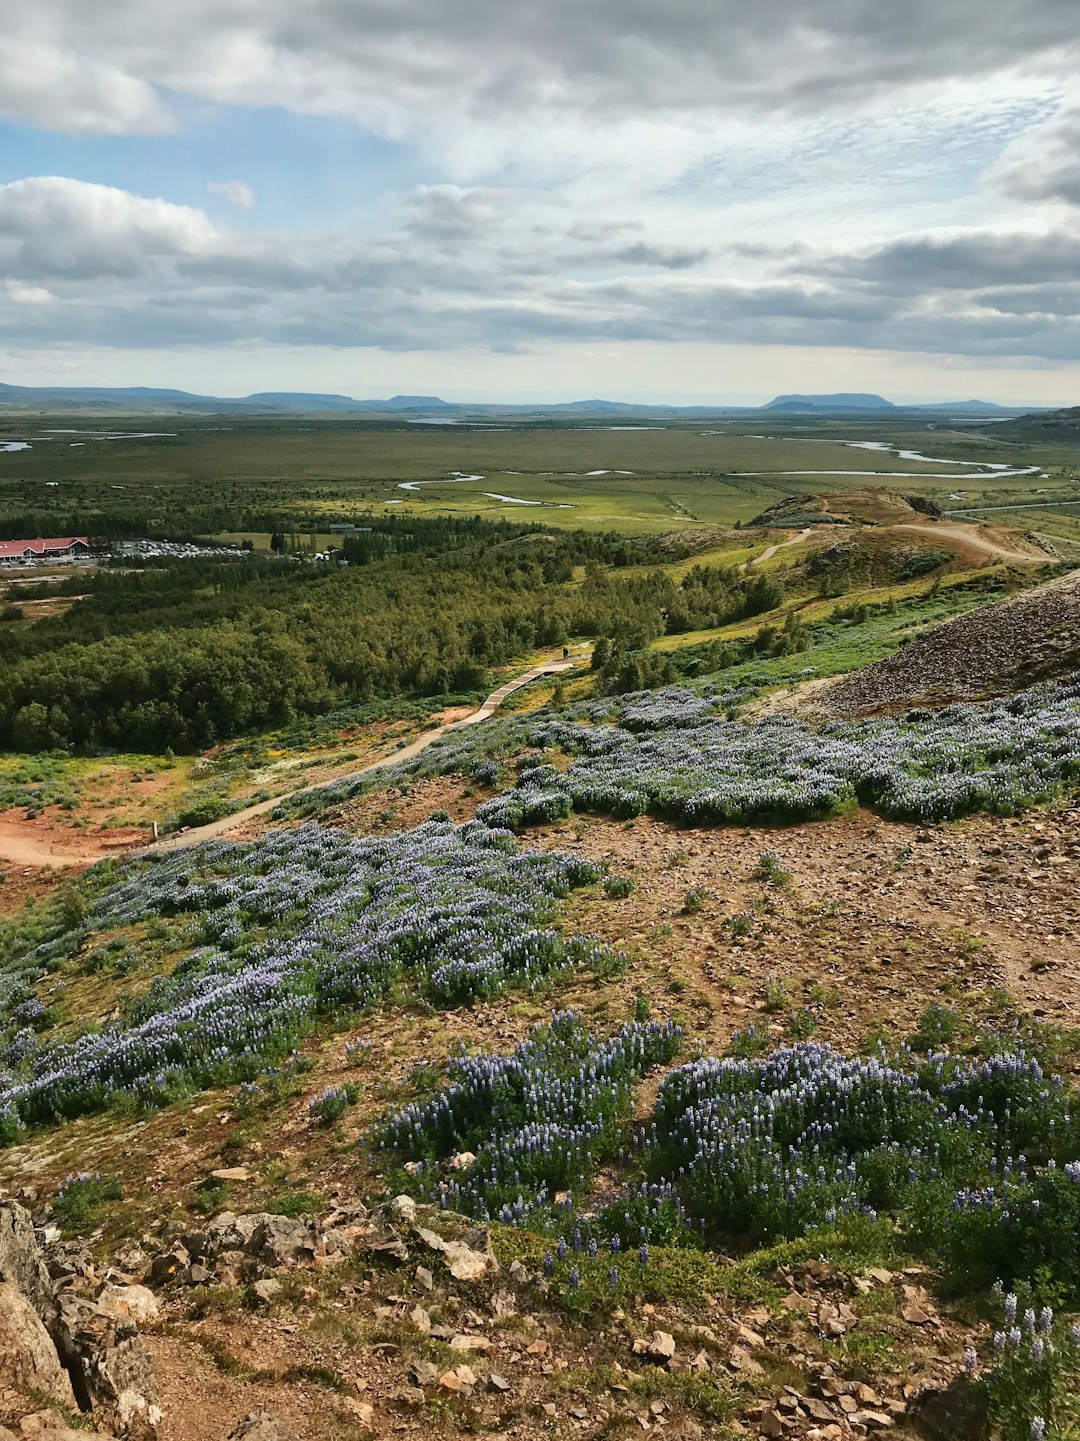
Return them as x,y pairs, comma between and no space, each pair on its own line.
989,652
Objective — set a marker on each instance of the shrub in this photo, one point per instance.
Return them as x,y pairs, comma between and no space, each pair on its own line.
1032,1389
332,1104
82,1197
618,887
695,900
770,870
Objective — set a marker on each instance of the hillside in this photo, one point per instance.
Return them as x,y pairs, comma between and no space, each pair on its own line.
866,506
578,1063
994,651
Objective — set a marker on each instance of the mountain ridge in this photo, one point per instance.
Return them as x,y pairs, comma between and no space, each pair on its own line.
140,399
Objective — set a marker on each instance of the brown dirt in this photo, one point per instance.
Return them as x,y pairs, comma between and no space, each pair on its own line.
50,841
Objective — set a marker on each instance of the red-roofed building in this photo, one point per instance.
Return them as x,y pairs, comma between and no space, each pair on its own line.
37,552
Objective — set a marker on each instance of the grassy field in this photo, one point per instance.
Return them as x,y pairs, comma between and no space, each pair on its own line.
237,477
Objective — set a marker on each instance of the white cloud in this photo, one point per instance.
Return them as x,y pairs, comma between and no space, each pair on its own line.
234,192
54,226
21,294
50,84
837,174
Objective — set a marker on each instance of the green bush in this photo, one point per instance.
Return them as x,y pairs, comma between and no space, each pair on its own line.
618,887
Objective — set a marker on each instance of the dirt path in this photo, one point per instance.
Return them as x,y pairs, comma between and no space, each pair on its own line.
964,534
22,850
238,818
969,535
770,550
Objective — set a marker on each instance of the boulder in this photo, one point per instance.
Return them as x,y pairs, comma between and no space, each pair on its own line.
281,1241
137,1303
28,1359
466,1262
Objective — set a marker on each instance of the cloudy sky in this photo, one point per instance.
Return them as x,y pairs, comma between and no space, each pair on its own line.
698,200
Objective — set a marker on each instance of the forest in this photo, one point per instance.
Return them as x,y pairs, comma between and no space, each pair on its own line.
182,655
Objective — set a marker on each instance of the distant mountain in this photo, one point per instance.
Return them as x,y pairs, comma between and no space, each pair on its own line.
840,401
140,398
967,407
143,400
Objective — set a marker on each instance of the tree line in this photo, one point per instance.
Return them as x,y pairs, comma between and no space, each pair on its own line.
190,653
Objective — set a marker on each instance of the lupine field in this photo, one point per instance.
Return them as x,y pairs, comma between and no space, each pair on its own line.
272,935
977,1161
684,756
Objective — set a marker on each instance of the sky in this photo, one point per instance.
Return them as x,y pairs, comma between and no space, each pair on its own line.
694,201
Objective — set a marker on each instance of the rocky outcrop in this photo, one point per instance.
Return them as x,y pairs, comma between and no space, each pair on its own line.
58,1344
22,1263
28,1359
110,1368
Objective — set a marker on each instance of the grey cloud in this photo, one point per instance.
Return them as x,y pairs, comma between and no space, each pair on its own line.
1045,165
507,270
408,67
961,262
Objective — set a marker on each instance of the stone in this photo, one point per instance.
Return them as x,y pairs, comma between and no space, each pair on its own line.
170,1265
228,1232
503,1304
362,1411
403,1210
231,1173
916,1315
496,1382
421,1319
872,1420
138,1303
424,1278
957,1411
662,1346
461,1342
741,1360
449,1381
465,1262
28,1359
261,1426
282,1241
268,1290
424,1373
